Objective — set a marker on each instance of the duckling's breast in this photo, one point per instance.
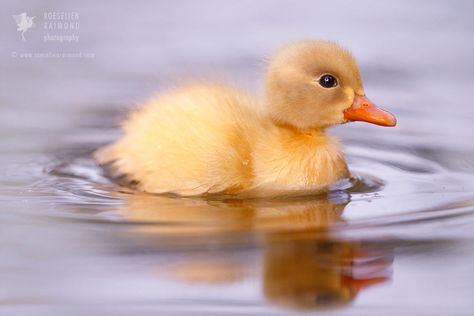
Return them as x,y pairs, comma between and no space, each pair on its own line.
298,165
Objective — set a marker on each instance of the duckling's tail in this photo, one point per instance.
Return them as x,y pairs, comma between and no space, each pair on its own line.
106,154
107,157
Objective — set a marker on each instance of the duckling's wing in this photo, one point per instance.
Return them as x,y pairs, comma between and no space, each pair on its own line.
192,141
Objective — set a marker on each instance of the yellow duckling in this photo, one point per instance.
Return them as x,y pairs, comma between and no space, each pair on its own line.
211,139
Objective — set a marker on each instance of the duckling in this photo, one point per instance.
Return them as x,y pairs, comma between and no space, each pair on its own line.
205,139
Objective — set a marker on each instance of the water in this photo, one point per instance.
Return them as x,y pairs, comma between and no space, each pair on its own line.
396,239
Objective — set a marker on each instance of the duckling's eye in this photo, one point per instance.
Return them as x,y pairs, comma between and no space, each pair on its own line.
327,81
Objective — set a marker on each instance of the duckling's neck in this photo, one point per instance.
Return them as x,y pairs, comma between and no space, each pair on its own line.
293,131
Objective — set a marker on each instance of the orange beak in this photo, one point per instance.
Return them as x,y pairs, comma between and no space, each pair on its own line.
364,110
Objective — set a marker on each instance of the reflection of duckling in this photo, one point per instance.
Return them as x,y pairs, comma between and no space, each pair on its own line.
201,216
202,269
207,139
302,267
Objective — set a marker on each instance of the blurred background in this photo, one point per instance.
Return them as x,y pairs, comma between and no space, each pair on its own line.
398,240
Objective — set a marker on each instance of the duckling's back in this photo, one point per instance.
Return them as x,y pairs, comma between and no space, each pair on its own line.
191,141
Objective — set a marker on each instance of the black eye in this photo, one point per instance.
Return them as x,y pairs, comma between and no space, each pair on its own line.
328,81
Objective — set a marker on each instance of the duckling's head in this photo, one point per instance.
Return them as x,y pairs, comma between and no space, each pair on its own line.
317,84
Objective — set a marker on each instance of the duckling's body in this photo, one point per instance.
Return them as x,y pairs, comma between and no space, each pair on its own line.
221,143
211,139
